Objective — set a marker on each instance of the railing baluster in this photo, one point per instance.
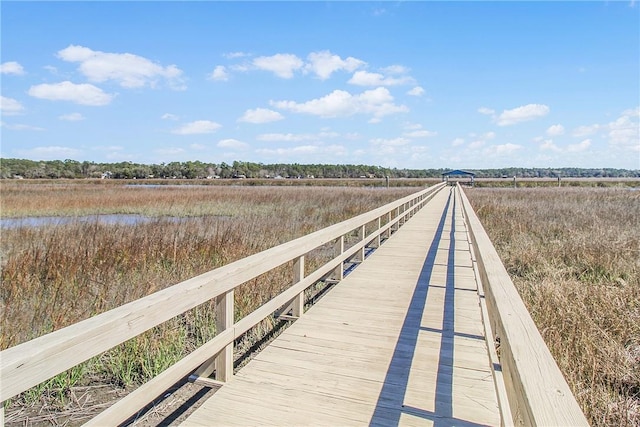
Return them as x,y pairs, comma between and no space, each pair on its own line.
339,271
298,275
224,320
361,236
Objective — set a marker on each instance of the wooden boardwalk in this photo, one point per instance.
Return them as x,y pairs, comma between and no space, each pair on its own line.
399,341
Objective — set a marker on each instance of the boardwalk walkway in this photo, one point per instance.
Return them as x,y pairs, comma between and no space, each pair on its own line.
398,341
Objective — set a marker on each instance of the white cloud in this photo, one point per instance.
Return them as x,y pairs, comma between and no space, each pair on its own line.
392,142
307,152
419,134
324,63
365,78
11,67
282,64
50,68
581,146
219,74
197,127
20,127
416,91
169,116
486,111
549,145
83,94
339,103
128,70
396,69
234,55
522,114
457,142
10,106
52,152
585,131
624,132
411,126
260,115
555,130
502,150
292,137
477,144
232,143
72,117
394,146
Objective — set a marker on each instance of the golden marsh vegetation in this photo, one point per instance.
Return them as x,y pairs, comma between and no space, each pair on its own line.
574,255
53,276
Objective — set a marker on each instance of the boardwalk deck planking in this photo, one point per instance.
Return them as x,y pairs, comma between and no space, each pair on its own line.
399,341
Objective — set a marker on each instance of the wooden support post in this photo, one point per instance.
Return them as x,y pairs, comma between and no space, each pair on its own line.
298,275
361,235
222,362
224,320
339,271
387,232
378,237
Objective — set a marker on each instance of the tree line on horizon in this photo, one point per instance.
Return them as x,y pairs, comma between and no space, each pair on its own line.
73,169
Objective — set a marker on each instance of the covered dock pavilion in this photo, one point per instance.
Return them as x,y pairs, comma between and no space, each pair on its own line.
461,176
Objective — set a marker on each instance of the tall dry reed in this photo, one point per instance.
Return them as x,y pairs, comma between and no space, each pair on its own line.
54,276
574,256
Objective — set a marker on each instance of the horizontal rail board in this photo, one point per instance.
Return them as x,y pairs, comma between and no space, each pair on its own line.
35,361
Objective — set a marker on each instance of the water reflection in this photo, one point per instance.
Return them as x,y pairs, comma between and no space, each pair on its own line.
106,219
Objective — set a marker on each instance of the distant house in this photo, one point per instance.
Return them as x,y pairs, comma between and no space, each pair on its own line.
455,176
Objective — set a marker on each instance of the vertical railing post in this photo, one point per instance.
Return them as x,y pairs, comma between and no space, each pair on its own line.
339,271
361,236
378,237
298,274
222,363
224,320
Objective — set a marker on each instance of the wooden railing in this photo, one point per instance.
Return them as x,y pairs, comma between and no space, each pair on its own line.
536,391
38,360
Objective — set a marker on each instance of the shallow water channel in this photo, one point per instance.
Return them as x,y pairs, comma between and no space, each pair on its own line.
107,219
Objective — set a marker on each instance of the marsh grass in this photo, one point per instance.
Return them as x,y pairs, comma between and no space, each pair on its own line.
574,256
55,276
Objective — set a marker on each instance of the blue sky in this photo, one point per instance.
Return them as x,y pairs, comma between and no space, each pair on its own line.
394,84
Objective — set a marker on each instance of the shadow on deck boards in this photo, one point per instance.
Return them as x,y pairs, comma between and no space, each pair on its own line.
390,405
